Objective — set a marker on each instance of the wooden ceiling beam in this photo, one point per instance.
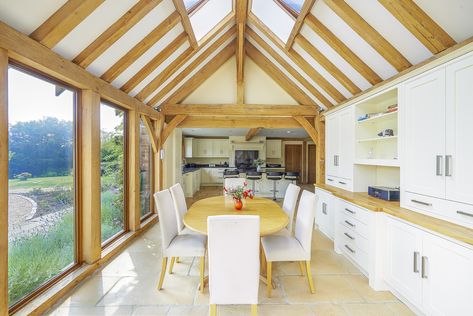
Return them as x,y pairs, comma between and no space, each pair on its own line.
114,32
63,21
238,122
369,34
186,23
139,49
327,64
154,140
309,128
343,50
306,7
203,74
155,62
170,128
194,64
245,110
289,68
173,67
252,133
241,16
420,24
277,75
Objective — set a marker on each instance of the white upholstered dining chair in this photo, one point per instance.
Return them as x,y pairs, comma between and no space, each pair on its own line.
180,207
234,182
234,264
173,244
289,207
297,248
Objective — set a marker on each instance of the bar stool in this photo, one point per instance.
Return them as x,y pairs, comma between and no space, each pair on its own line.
228,173
253,176
274,176
292,176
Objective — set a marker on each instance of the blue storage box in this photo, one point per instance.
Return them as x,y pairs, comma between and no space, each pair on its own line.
384,193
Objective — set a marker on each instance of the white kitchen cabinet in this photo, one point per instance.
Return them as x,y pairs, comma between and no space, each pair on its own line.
189,147
273,148
325,213
430,272
204,147
220,147
187,184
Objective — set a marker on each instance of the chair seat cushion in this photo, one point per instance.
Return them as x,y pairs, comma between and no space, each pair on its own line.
281,248
186,246
187,231
283,232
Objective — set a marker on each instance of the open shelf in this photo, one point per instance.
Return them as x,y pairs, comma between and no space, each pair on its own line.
378,162
379,118
376,139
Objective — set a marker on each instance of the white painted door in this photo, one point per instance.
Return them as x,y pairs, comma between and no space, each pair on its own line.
403,268
331,144
448,277
346,143
459,154
424,124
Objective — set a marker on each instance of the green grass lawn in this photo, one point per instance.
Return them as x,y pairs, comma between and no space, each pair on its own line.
47,182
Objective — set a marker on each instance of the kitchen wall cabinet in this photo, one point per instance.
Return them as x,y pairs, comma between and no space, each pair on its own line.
189,147
273,148
220,148
206,148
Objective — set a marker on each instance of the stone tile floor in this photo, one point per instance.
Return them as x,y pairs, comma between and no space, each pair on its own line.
127,286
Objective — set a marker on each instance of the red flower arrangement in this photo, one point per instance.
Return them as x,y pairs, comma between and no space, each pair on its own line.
238,193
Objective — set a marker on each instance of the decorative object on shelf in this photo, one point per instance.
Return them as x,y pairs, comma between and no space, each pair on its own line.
238,194
390,109
259,164
386,132
384,193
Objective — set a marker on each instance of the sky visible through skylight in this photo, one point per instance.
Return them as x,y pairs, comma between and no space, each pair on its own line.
296,5
190,3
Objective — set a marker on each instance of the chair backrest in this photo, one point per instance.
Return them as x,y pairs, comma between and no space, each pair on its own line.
234,266
167,217
305,220
234,182
289,204
180,205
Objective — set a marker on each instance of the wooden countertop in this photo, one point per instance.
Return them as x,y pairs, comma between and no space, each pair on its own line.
393,208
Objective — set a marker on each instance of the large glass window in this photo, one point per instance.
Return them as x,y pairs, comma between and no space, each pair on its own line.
41,198
146,162
112,165
293,7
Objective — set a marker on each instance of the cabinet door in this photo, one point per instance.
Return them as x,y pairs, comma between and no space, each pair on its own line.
459,154
331,144
188,147
424,124
346,143
448,280
403,271
205,175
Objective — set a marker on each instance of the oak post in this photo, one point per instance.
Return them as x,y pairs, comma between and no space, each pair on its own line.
90,176
133,174
320,150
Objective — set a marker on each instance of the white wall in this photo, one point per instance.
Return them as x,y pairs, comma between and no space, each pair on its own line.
172,171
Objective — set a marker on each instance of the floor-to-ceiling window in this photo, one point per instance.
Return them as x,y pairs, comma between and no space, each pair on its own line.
42,194
112,168
146,163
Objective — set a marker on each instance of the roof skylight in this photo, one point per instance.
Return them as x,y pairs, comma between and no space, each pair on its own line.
293,7
191,5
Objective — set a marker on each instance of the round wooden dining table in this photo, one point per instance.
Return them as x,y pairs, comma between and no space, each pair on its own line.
272,216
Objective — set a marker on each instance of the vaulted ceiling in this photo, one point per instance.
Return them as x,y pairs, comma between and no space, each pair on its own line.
321,53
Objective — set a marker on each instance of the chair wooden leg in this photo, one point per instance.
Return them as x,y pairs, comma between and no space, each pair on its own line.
301,267
309,277
263,262
202,270
171,265
269,277
254,310
163,272
213,310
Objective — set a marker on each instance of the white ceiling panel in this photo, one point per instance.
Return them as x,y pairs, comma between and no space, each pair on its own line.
207,17
92,26
273,16
131,38
27,15
358,45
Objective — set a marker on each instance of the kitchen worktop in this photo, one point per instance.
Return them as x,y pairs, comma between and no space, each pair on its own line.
362,199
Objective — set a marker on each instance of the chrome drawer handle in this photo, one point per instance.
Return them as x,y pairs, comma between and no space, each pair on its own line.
448,165
342,182
438,165
416,256
424,267
351,250
350,211
349,236
331,180
324,208
421,203
465,213
352,225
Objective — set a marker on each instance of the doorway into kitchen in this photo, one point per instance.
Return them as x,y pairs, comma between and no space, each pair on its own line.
293,159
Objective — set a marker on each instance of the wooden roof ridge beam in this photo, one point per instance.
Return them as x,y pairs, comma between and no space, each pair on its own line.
309,128
346,53
63,21
203,74
420,24
277,75
289,68
186,23
175,66
369,34
327,64
196,62
139,49
238,122
299,61
170,127
155,62
247,110
305,10
241,17
114,32
252,133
